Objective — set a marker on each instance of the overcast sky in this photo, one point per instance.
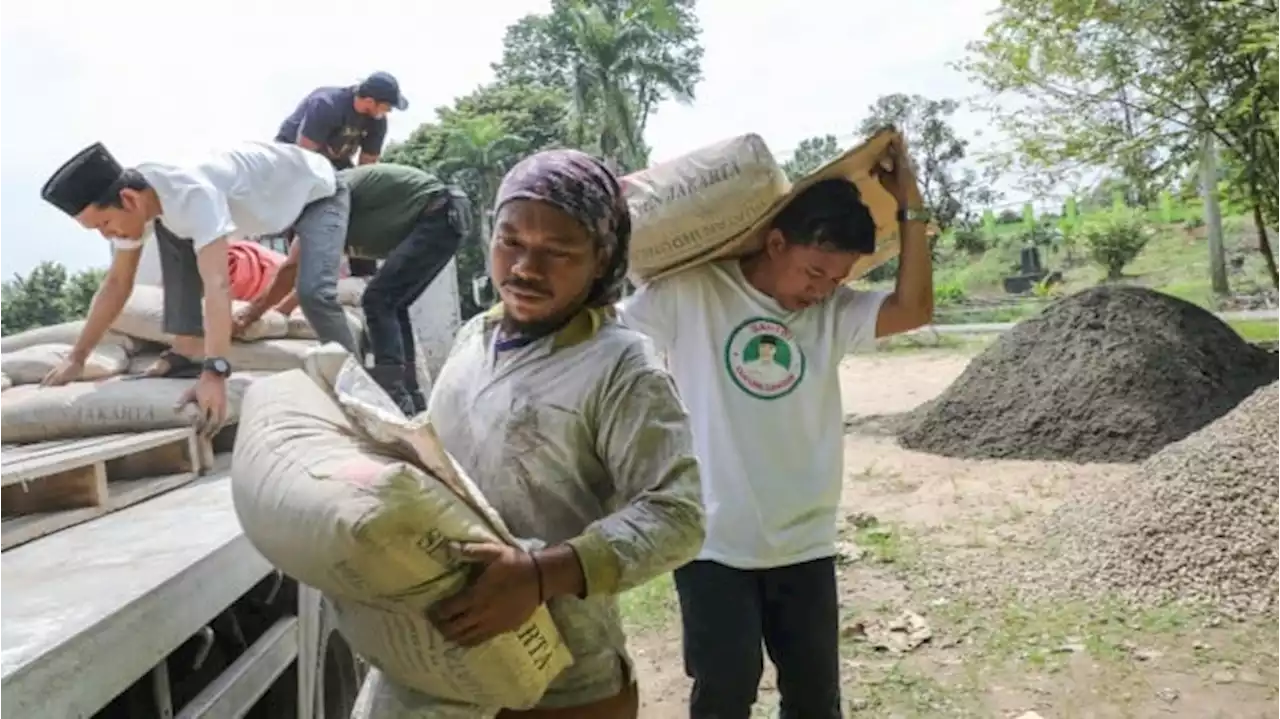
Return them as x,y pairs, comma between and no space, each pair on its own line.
166,81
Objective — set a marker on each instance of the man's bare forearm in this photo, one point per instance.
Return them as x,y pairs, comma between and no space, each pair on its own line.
281,286
914,286
212,261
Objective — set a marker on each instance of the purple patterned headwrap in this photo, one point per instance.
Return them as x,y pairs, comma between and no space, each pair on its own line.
584,188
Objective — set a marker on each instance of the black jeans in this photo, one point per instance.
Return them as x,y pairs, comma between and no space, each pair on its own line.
404,275
728,614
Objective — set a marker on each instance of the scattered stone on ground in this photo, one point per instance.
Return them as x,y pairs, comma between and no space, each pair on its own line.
1111,374
1196,522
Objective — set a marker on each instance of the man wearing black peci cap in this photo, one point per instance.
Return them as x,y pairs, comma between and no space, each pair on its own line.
336,121
254,188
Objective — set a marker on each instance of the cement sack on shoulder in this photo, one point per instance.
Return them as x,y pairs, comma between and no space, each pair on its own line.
685,208
367,521
88,409
300,328
857,165
30,364
64,333
143,318
351,290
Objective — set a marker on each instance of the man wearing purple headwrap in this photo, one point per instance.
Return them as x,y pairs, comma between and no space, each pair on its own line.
573,431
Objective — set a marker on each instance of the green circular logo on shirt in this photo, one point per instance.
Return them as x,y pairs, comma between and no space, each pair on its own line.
763,358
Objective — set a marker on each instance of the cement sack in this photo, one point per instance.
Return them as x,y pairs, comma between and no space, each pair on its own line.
143,318
261,356
338,490
300,328
64,333
685,208
30,364
351,290
88,409
856,165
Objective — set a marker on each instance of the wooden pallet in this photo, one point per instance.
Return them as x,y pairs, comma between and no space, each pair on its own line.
49,486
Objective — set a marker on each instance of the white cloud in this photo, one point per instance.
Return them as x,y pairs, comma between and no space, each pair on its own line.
165,81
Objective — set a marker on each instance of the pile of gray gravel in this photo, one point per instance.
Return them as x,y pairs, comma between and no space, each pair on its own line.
1111,374
1195,522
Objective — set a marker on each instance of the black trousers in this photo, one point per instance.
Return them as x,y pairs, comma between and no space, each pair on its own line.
731,617
404,275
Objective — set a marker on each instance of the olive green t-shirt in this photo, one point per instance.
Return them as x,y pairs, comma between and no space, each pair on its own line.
387,200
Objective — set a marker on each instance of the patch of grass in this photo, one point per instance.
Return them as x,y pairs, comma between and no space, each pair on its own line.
939,341
651,606
1045,635
1257,330
884,544
900,689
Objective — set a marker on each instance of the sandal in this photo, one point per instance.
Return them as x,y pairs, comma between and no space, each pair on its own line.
175,366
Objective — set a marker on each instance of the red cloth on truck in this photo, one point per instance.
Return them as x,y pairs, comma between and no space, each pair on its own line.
251,267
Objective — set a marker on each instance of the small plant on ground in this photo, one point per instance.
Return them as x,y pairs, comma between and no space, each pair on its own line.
969,241
949,293
1116,242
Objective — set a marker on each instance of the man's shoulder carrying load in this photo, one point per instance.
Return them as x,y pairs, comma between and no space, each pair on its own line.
716,202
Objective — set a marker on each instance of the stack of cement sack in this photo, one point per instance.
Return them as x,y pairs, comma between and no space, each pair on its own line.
337,489
718,202
105,402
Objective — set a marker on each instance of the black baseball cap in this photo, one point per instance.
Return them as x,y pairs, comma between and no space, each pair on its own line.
382,86
82,180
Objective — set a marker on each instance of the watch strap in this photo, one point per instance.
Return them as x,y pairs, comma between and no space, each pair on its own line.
216,365
916,214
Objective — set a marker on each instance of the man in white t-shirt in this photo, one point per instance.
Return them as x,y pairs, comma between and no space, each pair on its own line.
755,345
254,188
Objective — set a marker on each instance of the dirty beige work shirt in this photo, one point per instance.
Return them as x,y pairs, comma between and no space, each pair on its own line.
578,438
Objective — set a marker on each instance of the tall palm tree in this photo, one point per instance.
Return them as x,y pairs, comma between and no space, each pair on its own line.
476,153
611,56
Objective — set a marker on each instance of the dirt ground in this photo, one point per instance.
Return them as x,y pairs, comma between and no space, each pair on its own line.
918,645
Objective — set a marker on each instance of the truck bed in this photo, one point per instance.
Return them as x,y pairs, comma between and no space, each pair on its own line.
89,610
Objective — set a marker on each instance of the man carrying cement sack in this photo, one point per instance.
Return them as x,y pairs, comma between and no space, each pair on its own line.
755,345
252,188
414,223
572,431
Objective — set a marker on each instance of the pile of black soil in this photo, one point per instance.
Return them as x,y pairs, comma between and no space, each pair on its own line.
1112,374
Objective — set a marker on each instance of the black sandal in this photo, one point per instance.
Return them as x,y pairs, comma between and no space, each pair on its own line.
177,367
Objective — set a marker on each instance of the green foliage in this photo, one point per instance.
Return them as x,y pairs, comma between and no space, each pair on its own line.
969,241
952,193
1131,89
614,60
1039,235
811,154
949,292
46,296
1115,242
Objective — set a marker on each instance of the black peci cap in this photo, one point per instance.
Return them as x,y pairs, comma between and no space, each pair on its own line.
82,180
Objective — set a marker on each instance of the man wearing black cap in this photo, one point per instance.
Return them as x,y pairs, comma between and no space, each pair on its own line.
336,121
254,188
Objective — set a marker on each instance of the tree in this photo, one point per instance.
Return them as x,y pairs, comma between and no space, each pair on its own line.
46,296
615,60
1134,87
951,193
474,142
811,154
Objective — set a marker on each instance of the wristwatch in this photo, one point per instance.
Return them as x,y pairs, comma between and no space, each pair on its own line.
216,365
913,214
